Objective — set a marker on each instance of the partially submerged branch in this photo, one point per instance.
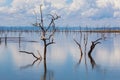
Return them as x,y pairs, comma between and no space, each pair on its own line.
38,58
94,43
80,51
79,47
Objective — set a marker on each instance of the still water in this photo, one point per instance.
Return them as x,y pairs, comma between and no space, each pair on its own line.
67,59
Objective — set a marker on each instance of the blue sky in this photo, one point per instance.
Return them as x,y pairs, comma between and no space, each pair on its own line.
72,12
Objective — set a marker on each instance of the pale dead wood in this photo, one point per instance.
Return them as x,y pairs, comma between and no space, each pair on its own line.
80,51
79,46
94,43
47,38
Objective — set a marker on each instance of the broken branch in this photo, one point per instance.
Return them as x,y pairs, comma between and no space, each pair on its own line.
30,53
49,43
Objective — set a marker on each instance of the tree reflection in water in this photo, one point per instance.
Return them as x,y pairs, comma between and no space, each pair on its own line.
47,75
36,59
30,65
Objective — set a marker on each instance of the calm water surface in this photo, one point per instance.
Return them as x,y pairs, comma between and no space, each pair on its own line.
64,60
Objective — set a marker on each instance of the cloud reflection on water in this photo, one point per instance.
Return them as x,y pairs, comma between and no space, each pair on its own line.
109,56
104,54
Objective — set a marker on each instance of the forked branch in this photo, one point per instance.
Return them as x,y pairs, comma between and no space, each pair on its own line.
94,43
79,46
80,51
32,54
52,24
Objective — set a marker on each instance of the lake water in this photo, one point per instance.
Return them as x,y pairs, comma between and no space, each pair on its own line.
64,60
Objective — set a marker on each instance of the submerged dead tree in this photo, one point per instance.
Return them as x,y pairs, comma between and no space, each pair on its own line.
92,46
80,51
47,32
94,43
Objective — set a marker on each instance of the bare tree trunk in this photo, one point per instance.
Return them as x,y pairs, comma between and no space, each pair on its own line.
45,70
45,50
45,66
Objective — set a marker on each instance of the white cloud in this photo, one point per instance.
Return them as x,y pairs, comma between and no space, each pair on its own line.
2,1
90,12
117,4
57,3
117,14
2,9
58,55
76,10
109,56
76,5
104,3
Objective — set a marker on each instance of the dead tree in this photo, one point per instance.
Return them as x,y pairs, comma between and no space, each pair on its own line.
46,34
94,43
80,51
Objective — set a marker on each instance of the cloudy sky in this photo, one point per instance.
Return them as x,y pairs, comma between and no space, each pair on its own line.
72,12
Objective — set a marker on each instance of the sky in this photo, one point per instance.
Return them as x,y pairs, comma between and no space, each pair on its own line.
73,12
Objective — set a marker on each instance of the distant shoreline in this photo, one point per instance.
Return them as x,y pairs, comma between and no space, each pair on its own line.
63,29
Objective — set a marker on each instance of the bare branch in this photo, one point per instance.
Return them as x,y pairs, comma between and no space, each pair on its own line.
36,16
93,45
57,16
77,43
79,46
52,24
80,51
51,34
39,54
29,53
97,43
39,24
41,15
49,25
42,24
43,30
80,58
97,40
49,43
